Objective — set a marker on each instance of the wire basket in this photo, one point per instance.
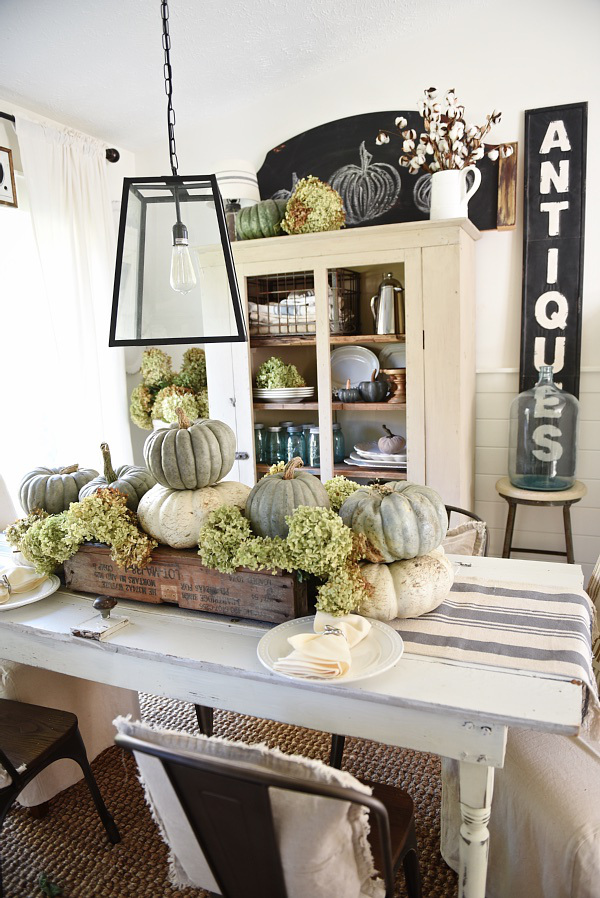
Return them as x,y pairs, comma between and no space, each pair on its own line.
280,304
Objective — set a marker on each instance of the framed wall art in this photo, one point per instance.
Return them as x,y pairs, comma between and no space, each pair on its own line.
8,193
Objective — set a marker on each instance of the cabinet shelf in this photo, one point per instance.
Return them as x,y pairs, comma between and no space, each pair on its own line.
350,471
311,340
336,406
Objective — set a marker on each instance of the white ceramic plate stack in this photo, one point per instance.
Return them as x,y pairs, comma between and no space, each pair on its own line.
368,455
290,394
393,355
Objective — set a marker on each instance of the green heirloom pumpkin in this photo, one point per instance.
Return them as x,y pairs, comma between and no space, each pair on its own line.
261,220
53,489
188,456
278,495
401,520
131,480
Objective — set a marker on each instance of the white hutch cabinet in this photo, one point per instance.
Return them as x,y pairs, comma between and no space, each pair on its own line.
435,263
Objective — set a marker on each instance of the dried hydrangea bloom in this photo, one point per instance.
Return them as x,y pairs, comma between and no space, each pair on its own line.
157,368
313,207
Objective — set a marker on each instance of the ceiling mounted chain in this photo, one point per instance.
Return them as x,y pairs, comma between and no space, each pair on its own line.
168,74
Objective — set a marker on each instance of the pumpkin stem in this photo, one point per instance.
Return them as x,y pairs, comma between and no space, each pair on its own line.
182,418
373,374
70,469
365,157
291,467
388,431
109,471
348,384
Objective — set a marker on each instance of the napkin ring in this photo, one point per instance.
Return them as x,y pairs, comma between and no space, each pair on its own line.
6,583
329,630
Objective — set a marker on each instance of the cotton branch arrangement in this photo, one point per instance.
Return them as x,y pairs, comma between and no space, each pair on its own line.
447,143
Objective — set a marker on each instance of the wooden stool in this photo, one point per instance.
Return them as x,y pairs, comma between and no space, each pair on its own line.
515,496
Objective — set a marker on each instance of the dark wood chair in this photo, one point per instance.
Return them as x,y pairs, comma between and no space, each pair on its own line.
31,738
228,807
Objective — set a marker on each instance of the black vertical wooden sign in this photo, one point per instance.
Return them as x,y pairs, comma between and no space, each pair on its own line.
555,157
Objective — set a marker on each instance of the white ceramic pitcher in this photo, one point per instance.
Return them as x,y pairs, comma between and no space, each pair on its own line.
449,194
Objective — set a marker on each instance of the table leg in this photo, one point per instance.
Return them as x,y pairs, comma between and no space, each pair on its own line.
568,533
476,788
510,526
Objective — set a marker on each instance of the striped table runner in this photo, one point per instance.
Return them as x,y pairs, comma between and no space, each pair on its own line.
509,625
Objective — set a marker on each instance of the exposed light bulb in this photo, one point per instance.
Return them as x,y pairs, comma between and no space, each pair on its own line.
183,276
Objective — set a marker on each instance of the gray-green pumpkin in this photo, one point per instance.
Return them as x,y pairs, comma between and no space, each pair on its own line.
278,495
53,489
131,480
261,220
401,520
190,456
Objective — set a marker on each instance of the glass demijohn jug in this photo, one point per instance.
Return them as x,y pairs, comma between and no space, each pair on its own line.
543,436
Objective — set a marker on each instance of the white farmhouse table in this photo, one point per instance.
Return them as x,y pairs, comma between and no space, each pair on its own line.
451,710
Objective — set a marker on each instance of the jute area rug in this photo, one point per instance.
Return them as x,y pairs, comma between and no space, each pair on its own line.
70,846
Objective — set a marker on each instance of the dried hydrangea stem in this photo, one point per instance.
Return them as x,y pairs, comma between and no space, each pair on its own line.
109,471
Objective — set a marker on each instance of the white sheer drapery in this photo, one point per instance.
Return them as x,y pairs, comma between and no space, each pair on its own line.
65,390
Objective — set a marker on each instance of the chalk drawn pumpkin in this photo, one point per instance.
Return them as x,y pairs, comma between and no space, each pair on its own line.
368,190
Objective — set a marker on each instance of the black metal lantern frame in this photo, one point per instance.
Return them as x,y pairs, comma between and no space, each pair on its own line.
149,307
127,326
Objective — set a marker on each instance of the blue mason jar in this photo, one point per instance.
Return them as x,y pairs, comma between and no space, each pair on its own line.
314,450
296,444
339,445
275,450
259,443
542,445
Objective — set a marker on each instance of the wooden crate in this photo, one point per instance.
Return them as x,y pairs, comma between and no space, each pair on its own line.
178,577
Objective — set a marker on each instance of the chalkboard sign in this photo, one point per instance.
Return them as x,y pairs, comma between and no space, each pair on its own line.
555,156
375,188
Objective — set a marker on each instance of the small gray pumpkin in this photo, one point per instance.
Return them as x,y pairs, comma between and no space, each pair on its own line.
188,456
400,520
131,480
278,495
53,489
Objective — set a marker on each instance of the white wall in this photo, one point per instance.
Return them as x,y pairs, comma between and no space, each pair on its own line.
512,56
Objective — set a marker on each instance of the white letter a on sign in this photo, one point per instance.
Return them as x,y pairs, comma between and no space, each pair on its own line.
556,136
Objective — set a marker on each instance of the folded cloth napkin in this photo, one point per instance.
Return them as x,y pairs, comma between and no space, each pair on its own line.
17,578
324,654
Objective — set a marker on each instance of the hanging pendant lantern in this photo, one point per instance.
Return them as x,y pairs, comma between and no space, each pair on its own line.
175,279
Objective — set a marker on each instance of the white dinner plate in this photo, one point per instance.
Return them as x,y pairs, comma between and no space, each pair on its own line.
46,588
374,465
372,451
376,653
393,355
378,462
353,363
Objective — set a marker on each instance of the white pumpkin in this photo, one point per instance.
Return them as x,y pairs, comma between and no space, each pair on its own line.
407,588
174,517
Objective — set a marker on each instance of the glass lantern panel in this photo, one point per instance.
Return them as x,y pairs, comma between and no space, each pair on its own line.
151,306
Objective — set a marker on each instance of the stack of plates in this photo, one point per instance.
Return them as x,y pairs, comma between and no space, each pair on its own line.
368,455
393,355
290,394
354,364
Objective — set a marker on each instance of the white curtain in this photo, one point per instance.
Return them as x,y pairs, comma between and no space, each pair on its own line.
67,387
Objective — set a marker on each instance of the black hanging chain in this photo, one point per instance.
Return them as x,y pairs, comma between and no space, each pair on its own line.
168,73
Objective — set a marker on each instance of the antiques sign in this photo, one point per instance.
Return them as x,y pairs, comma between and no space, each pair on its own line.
555,155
